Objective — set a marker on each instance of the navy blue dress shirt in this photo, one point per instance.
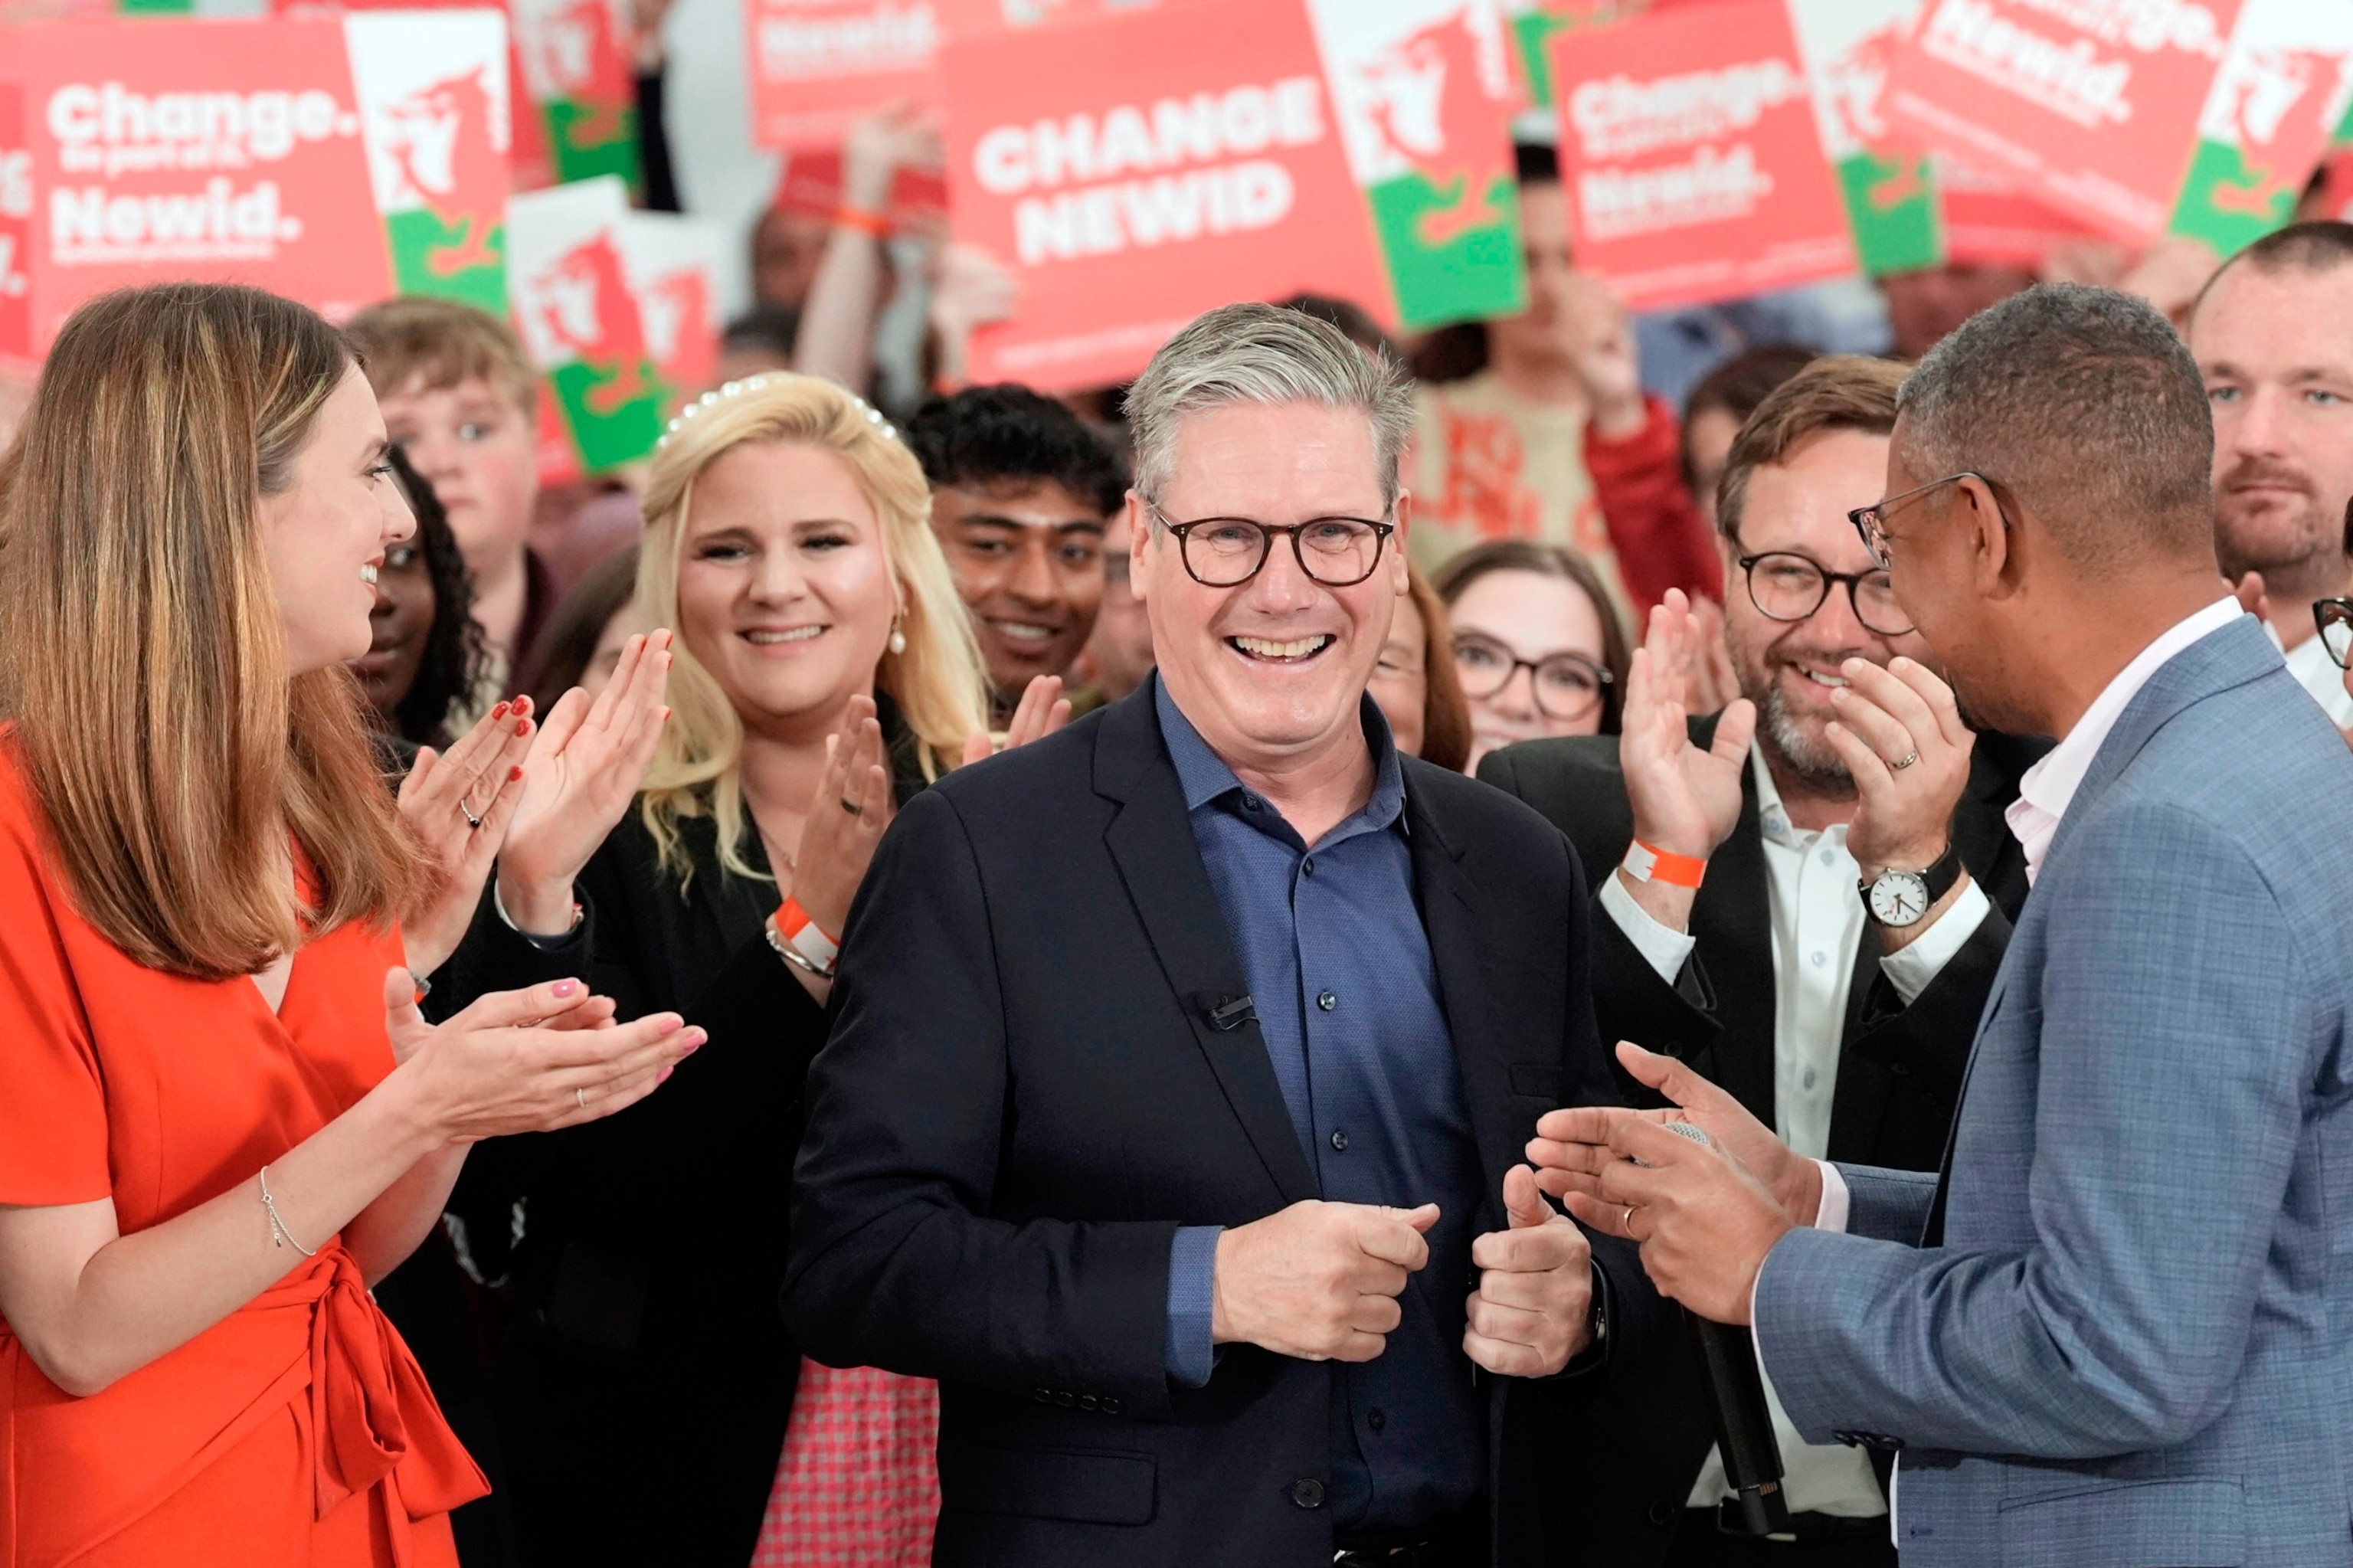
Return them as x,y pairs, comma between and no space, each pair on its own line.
1331,942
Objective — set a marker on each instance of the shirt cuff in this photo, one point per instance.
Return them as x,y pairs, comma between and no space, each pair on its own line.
1831,1214
1189,1355
1665,951
1911,969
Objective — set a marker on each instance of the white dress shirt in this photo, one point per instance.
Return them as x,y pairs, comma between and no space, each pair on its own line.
1818,926
2316,672
2044,793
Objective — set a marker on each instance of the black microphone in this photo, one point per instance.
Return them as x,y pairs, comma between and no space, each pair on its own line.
1736,1401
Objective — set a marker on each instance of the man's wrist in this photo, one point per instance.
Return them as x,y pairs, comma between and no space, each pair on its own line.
1664,902
1905,857
1802,1200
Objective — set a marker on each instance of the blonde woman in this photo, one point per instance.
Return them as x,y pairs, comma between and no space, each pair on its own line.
222,1118
823,670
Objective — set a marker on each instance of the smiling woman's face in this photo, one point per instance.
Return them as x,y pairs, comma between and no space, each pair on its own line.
783,590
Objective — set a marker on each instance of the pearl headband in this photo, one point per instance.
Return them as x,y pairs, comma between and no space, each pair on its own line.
753,384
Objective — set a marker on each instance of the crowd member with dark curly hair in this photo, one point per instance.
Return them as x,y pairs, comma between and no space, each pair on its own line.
1022,492
426,652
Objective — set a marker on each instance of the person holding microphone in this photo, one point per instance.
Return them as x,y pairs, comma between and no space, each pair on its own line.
222,1118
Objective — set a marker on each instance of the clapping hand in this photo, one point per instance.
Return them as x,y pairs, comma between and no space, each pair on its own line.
1901,736
846,818
1686,799
578,781
458,805
1043,710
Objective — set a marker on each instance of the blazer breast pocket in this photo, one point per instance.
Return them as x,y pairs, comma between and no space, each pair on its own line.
1085,1486
1537,1081
2191,1522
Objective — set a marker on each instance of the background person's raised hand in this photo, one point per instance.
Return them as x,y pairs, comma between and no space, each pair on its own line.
1318,1281
845,819
1902,816
458,805
1532,1314
533,1060
1686,798
578,781
1042,710
1573,1146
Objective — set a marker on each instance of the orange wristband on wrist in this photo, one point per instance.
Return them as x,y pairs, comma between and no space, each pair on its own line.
1645,864
862,220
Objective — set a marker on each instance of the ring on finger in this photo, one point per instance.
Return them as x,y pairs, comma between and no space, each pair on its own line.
473,822
1627,1225
1908,760
853,808
581,1096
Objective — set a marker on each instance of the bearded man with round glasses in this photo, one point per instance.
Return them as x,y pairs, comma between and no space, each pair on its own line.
1806,895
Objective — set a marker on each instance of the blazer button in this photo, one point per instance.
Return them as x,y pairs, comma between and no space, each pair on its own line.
1308,1493
1110,1405
1665,1511
1042,1395
1066,1399
1088,1403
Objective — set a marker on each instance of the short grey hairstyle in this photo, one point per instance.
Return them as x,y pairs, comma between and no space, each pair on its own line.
2085,405
1267,355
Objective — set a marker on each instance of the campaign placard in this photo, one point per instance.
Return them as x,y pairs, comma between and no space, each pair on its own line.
574,55
2268,120
1848,47
818,65
672,264
251,150
1693,158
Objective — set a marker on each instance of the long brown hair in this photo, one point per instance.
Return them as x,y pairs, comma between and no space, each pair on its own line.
1445,711
145,685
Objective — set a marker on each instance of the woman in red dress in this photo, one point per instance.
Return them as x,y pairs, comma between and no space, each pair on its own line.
221,1116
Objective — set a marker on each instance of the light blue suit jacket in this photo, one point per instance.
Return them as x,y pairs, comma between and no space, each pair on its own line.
2135,1345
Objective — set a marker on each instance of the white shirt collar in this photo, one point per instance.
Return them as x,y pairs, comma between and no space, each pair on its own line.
2048,789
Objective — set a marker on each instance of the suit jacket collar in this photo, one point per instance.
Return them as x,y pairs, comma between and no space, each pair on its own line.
2230,656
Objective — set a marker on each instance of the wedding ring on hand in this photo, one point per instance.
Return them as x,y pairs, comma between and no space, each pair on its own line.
1909,758
1627,1225
581,1096
853,808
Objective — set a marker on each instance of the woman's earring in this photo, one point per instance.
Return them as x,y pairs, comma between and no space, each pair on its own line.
898,638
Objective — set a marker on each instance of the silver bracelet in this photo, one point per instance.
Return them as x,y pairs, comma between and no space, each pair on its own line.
791,954
278,1234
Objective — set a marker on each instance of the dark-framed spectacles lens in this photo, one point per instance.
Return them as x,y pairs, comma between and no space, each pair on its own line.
1335,551
2336,632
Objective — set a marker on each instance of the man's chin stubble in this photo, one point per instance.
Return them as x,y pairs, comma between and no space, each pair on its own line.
1786,743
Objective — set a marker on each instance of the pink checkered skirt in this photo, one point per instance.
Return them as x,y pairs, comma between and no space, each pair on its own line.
858,1485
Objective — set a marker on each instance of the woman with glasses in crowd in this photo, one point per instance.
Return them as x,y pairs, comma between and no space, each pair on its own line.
823,672
1538,647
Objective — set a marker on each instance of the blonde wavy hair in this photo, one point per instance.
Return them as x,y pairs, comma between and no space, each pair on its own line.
937,680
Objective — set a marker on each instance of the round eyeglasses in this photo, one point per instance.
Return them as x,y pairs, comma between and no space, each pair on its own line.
1227,552
2334,618
1784,586
1566,686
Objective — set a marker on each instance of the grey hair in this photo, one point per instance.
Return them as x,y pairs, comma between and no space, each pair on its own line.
2085,405
1266,354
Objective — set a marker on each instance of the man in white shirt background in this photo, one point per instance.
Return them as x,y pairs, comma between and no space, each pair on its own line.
1773,979
2273,336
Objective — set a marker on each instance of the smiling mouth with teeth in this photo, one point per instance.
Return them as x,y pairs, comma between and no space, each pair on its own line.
773,639
367,575
1022,631
1267,649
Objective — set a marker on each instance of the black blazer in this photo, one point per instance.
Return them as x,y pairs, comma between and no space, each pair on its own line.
644,1388
1023,1099
1899,1067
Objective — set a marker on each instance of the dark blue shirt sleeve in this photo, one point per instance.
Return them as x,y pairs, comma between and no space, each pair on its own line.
1192,1277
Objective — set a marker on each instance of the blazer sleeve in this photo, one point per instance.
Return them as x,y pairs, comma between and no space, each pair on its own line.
1929,1041
898,1258
2169,1100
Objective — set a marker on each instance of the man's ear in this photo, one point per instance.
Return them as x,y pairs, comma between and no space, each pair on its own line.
1402,568
1995,565
1139,540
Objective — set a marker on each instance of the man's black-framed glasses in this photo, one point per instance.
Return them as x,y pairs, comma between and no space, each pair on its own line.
1871,521
1566,686
2334,618
1785,585
1227,552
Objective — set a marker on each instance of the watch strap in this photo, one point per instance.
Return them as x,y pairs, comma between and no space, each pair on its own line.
1940,878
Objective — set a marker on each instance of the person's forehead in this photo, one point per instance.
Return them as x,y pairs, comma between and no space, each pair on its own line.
1803,500
2259,318
1242,459
1042,503
417,396
776,484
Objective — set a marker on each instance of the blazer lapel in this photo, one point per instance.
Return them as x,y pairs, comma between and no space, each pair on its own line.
1450,918
1151,840
1733,908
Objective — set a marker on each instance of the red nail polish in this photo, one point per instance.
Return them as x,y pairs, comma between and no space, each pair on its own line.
513,774
523,729
522,705
499,711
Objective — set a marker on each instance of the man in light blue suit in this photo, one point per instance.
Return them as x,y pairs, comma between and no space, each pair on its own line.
2118,1328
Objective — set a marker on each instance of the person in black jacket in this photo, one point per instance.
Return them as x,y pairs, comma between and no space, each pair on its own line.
1184,1061
1790,973
823,675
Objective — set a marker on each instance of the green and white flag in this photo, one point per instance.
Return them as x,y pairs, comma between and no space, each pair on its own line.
432,91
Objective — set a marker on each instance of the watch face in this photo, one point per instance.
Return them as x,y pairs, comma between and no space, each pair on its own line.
1899,898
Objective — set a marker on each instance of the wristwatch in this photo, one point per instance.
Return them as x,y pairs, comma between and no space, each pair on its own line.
1901,898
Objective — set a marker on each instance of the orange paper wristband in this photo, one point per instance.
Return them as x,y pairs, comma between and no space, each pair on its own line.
862,220
1646,864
